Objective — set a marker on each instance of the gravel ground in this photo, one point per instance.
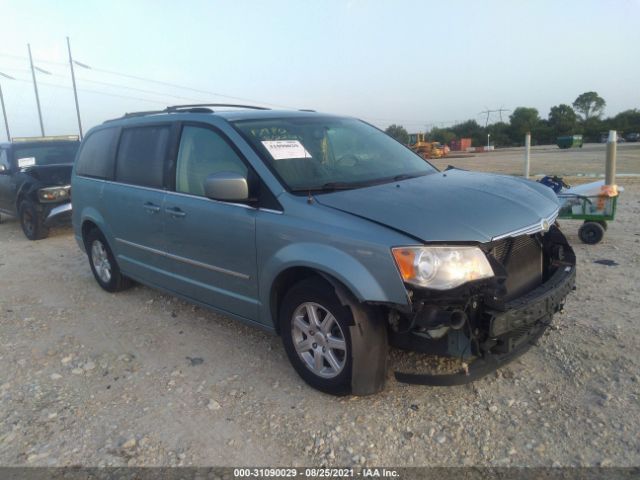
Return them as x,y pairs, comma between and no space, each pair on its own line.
140,378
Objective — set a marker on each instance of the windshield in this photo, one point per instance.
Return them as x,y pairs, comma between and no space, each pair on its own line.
30,155
328,153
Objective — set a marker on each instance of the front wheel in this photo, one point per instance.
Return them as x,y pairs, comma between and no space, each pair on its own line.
316,337
31,221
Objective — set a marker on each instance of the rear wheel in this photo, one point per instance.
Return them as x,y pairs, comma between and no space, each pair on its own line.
591,233
31,221
103,264
316,337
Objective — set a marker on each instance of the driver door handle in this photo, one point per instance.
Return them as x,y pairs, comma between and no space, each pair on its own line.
151,208
175,212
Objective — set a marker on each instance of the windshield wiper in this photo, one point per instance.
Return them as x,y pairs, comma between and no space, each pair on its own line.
335,186
330,187
406,176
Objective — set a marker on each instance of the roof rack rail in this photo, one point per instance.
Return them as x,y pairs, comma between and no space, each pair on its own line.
135,114
193,108
142,114
175,108
306,110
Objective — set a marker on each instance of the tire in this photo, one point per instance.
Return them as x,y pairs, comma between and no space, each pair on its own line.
325,368
103,264
591,233
603,223
31,221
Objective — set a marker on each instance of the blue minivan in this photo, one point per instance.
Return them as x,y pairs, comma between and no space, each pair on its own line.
326,231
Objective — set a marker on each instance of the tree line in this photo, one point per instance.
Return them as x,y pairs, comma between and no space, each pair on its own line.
583,116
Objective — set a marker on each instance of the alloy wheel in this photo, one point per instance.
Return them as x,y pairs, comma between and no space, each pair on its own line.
100,260
319,340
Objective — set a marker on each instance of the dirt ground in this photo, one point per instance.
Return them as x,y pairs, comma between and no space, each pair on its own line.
140,378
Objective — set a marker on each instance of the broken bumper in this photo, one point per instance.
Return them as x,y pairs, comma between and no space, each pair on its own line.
510,329
60,214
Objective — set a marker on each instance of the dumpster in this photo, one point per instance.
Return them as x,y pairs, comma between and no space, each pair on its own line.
569,141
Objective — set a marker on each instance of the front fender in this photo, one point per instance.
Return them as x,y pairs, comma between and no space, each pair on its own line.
365,284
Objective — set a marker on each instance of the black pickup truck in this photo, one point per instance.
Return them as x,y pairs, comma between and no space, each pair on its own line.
35,175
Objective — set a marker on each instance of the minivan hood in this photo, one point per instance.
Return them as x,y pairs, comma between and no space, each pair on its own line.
51,174
451,206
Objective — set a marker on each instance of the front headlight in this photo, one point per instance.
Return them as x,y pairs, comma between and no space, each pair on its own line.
441,268
54,194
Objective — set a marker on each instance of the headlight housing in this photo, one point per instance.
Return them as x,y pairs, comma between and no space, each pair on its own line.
441,268
54,194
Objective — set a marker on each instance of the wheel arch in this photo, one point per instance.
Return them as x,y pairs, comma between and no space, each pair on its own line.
296,262
369,342
88,220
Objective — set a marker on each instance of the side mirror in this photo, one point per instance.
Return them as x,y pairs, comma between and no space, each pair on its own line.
3,169
227,186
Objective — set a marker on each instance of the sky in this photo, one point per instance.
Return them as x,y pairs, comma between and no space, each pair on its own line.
414,63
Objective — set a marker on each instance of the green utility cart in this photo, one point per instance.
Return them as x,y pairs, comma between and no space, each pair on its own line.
593,204
569,141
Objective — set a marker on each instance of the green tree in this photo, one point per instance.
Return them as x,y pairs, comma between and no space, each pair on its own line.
470,129
593,128
544,134
499,132
441,135
398,132
523,120
562,119
627,121
589,105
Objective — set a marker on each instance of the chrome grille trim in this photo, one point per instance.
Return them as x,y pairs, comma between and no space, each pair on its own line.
530,229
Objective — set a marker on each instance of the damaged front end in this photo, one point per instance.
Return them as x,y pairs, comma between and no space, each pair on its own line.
489,322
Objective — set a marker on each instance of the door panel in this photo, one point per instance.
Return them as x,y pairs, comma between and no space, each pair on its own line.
136,221
211,247
136,201
210,244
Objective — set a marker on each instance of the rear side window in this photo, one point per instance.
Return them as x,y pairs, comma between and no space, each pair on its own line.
142,154
97,154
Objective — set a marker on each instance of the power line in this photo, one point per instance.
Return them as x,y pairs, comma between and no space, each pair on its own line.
115,85
175,85
142,90
489,112
159,82
158,102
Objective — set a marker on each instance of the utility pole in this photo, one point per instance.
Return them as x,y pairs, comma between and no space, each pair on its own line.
4,109
500,110
610,170
527,154
35,88
75,91
488,112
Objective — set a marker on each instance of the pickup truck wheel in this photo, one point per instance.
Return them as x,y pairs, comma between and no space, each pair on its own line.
315,333
31,221
103,264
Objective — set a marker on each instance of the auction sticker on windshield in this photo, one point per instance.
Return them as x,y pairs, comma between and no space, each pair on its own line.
26,162
285,149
